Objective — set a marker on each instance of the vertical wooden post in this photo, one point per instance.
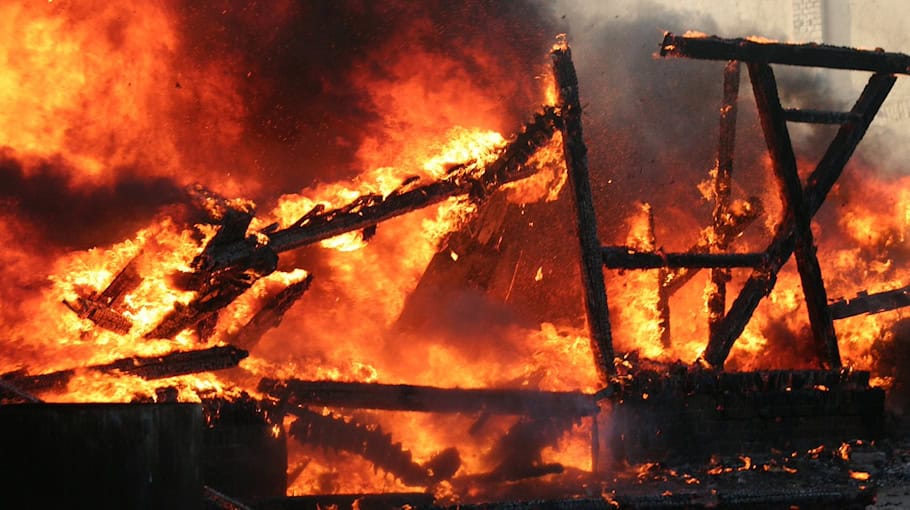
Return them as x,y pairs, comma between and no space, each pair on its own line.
717,295
576,157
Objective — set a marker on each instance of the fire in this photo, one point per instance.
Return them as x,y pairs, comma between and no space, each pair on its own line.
860,475
88,95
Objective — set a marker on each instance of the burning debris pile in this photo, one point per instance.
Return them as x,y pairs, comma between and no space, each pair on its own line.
559,414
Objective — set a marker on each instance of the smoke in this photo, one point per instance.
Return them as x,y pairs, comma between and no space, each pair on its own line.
320,80
74,217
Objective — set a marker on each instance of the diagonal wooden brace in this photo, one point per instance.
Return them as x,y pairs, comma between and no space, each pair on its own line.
783,161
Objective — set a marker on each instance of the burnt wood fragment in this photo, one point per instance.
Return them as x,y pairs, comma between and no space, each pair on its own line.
769,52
100,308
576,157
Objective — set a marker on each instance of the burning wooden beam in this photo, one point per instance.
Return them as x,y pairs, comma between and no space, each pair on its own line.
870,303
819,183
770,52
717,295
783,162
152,367
99,308
270,315
621,257
369,210
428,399
576,156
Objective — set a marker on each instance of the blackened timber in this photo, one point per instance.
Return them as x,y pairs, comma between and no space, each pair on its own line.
468,178
99,308
621,257
819,183
149,368
870,303
819,116
406,397
767,52
783,162
717,295
576,157
271,314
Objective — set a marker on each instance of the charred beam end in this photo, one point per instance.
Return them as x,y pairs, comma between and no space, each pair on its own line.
870,303
811,54
576,156
622,257
404,397
819,116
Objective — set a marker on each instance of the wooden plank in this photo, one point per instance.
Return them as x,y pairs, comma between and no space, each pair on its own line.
770,52
576,157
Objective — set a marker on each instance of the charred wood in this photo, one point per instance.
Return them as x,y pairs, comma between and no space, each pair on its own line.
99,308
405,397
767,52
717,295
783,160
153,367
819,183
369,210
270,315
622,257
819,116
870,303
369,442
576,156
